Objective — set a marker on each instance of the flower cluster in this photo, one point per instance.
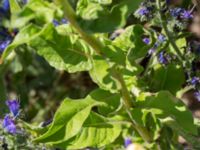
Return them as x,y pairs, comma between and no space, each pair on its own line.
163,57
145,11
9,119
181,13
5,35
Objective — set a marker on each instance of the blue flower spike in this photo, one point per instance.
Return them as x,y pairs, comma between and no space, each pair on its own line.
14,107
9,125
127,142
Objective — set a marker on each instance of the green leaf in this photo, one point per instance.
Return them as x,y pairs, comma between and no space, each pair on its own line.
96,132
63,49
25,35
170,77
169,106
103,2
112,101
131,42
102,75
14,6
62,52
68,120
94,17
38,10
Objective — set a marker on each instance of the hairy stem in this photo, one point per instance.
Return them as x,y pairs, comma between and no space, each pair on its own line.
71,17
168,34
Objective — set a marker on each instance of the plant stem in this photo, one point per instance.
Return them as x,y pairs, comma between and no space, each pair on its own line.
168,34
97,46
71,17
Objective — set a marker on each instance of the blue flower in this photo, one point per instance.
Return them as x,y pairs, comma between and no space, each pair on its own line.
143,11
6,5
197,95
13,107
56,23
146,40
186,14
161,38
9,125
195,81
127,142
162,58
4,44
175,12
64,21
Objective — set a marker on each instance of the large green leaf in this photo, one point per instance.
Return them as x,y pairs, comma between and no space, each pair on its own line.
169,106
62,48
96,132
95,17
62,52
68,120
170,77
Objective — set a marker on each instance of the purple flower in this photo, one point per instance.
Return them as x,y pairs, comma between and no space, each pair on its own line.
146,40
143,11
56,23
162,58
197,95
9,125
127,142
175,12
4,44
64,21
6,5
161,38
186,14
195,81
13,107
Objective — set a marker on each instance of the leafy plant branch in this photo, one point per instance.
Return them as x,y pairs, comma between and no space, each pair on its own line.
97,46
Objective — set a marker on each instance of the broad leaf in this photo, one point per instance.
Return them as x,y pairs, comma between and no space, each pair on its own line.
68,120
169,106
170,77
62,48
96,132
95,17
